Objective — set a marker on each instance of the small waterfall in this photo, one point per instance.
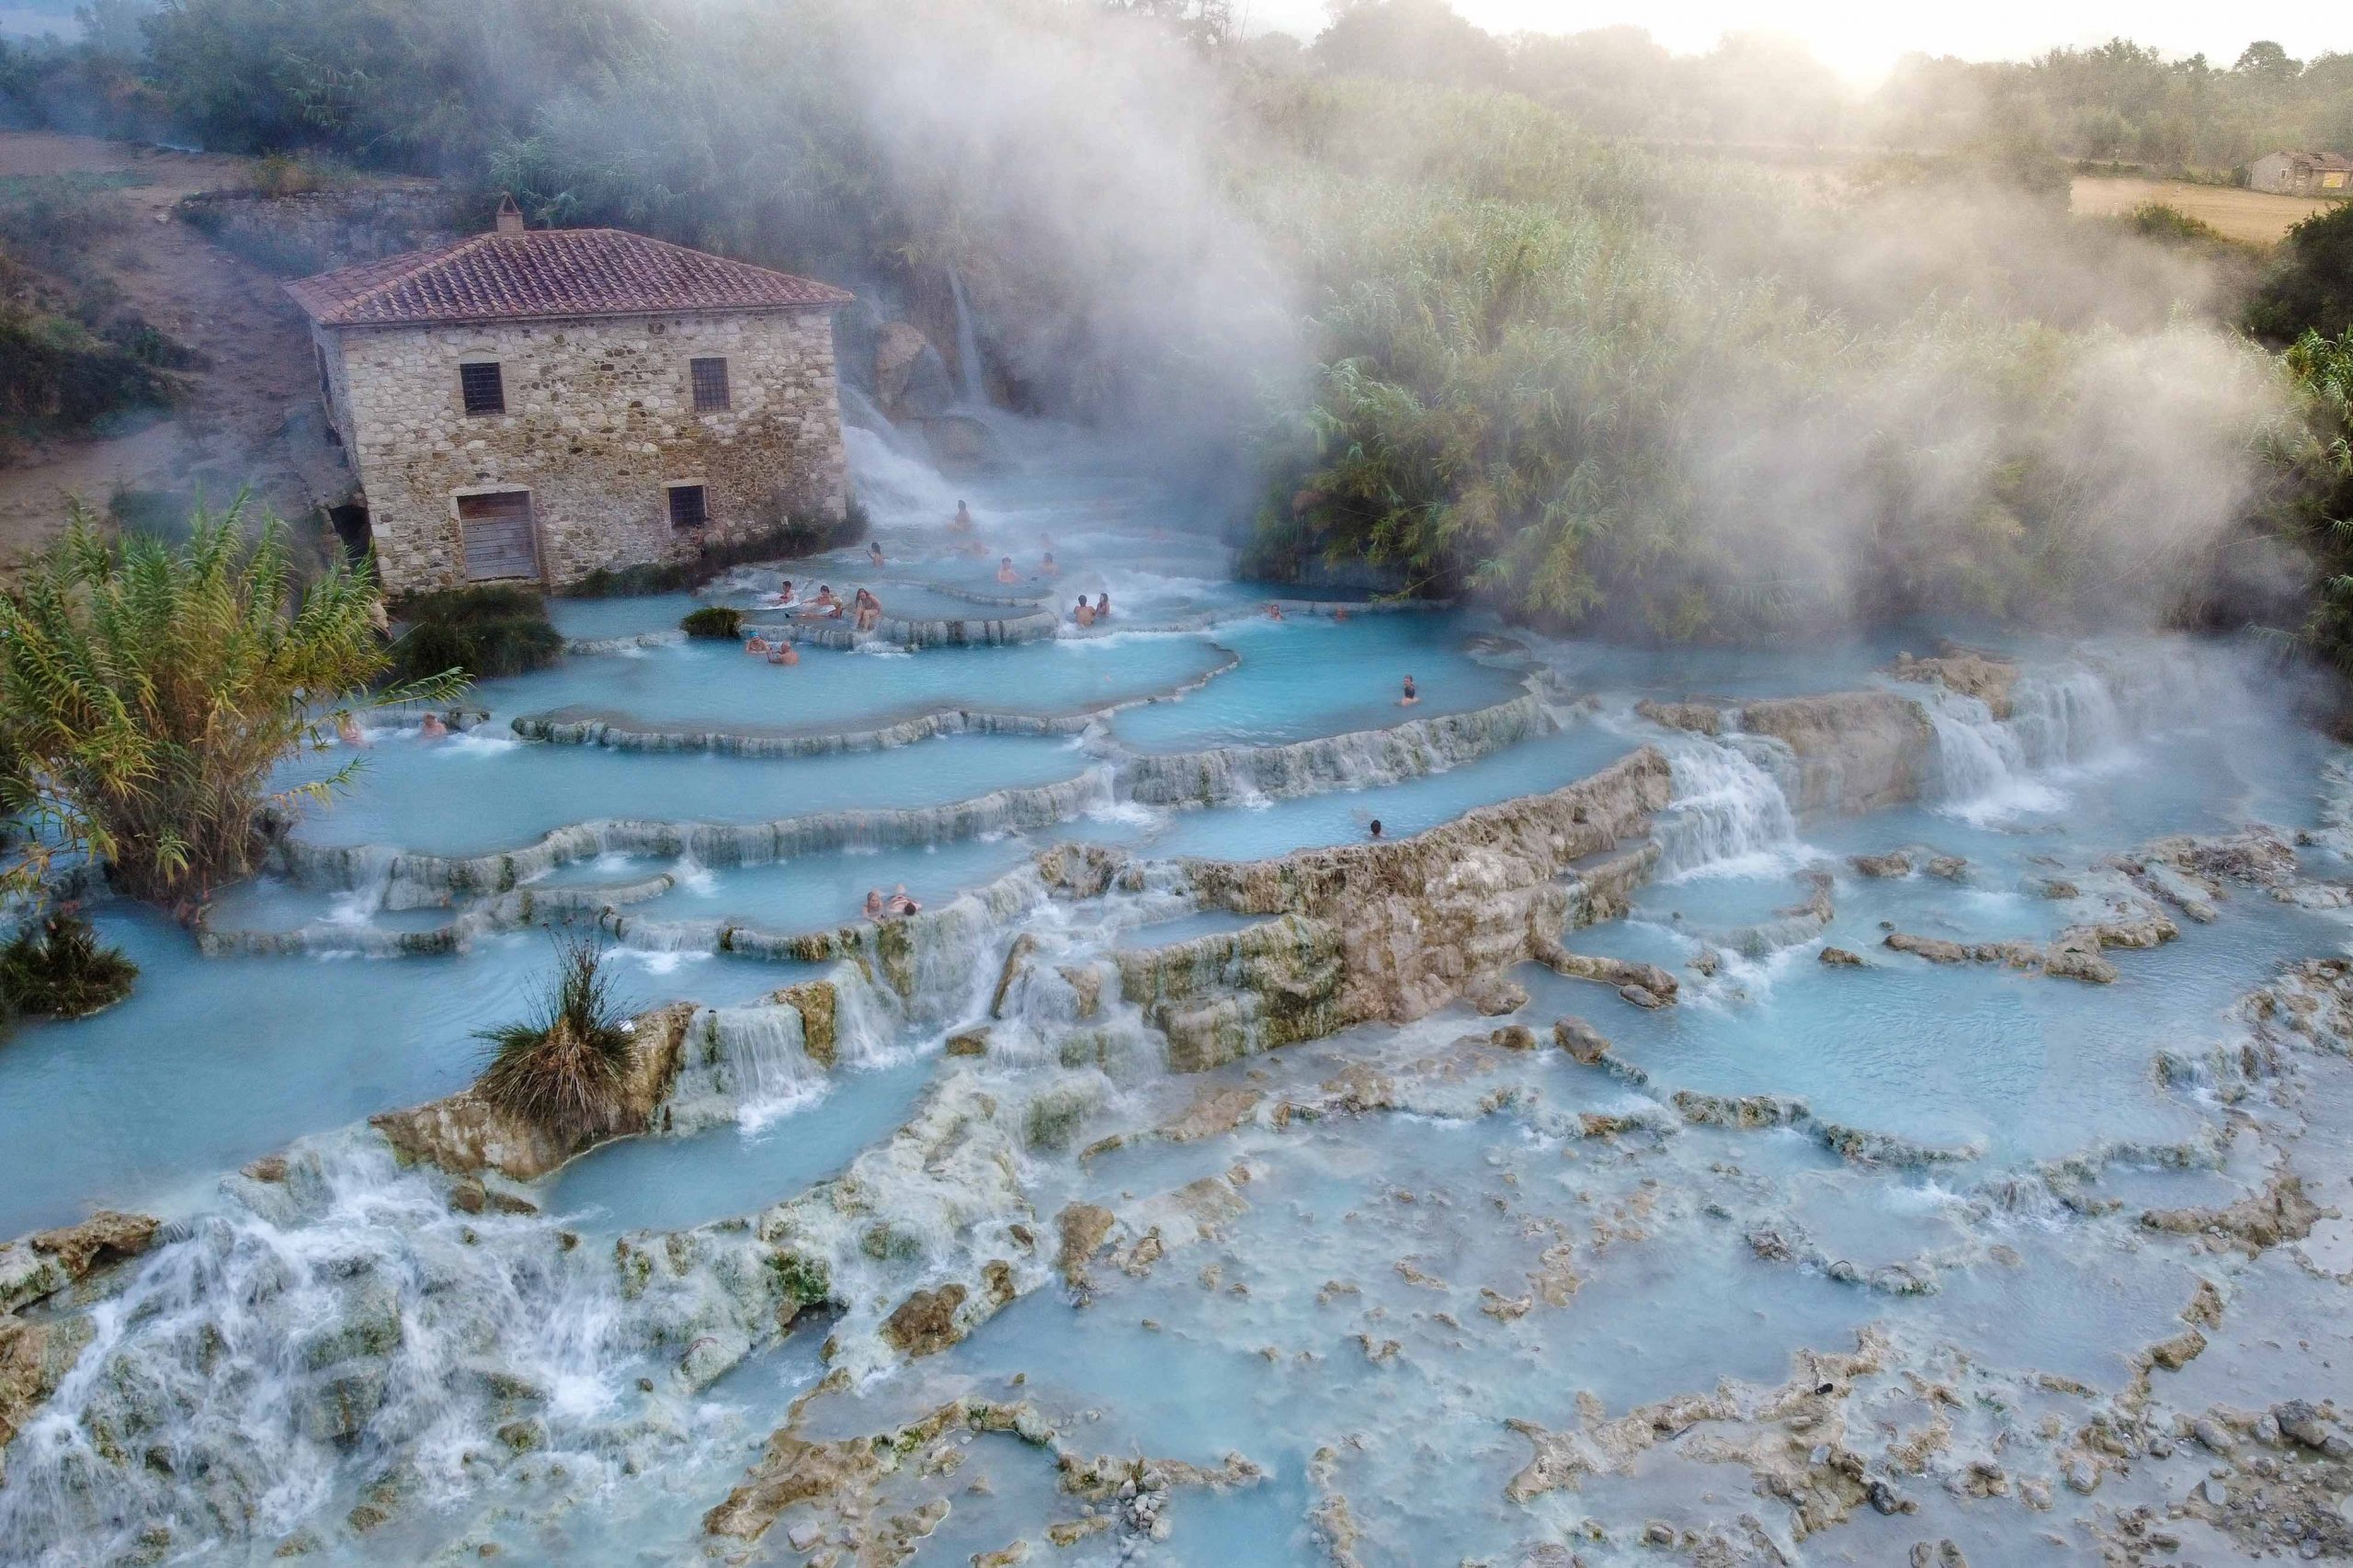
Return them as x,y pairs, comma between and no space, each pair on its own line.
2069,716
898,485
1729,815
745,1065
1978,760
969,387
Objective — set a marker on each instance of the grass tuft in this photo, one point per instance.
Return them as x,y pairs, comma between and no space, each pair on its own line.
563,1069
57,968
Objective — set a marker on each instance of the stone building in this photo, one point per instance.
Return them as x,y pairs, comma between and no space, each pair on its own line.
2303,174
538,404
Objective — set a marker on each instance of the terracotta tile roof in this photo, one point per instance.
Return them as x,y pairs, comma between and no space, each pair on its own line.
550,274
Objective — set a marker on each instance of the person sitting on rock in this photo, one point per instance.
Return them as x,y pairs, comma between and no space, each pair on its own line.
870,610
1102,607
1005,572
1411,695
961,523
874,903
1085,613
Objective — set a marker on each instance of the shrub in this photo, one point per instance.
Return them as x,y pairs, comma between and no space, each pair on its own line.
563,1069
485,632
2310,287
56,967
722,623
147,690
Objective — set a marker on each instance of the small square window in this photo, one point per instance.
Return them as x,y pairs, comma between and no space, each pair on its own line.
483,388
711,385
689,507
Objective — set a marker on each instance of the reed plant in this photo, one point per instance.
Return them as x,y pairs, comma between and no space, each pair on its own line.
148,690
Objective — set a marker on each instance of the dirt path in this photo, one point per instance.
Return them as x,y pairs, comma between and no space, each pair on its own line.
2252,217
250,417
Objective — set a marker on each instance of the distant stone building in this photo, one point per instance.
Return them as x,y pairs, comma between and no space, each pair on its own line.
2303,174
538,404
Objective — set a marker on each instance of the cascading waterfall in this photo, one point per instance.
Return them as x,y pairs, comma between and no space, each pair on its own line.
309,1336
745,1065
1729,815
1982,768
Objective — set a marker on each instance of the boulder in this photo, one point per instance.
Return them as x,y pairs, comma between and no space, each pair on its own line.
1894,863
1583,1043
911,380
926,1322
1983,677
1699,718
1839,958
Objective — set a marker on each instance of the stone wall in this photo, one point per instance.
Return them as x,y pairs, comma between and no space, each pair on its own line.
601,421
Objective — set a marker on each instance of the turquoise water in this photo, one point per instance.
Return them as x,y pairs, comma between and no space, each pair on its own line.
482,791
1357,1299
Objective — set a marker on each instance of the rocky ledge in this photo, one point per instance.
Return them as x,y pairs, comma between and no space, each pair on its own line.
466,1134
37,1353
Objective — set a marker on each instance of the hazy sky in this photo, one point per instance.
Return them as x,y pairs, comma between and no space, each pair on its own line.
1862,37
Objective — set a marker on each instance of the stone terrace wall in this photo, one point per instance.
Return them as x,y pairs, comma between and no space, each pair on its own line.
600,419
1414,922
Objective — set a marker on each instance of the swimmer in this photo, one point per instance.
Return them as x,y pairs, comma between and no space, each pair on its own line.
756,644
781,598
874,903
784,653
1102,607
1340,614
1005,572
432,728
1085,613
1048,566
1376,827
961,523
347,731
874,551
1411,695
901,903
1274,610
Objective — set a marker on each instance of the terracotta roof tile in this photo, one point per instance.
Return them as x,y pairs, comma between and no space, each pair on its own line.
550,274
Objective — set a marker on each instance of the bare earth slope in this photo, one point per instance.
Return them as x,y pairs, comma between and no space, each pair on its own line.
251,416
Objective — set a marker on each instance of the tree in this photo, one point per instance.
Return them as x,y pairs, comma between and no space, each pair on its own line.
2265,61
1421,41
147,690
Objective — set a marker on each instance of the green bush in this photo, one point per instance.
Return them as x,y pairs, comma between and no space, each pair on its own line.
564,1069
2310,287
720,622
55,967
486,632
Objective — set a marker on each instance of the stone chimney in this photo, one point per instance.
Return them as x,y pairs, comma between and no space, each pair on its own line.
510,217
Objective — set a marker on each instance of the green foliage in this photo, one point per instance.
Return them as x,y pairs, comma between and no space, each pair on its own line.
55,967
2310,287
481,633
147,690
2320,509
563,1069
724,622
2156,221
72,354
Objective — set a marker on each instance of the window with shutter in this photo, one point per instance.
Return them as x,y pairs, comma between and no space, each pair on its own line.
711,385
689,506
483,387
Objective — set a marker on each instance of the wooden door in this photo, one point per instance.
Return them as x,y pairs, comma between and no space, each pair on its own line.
498,538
